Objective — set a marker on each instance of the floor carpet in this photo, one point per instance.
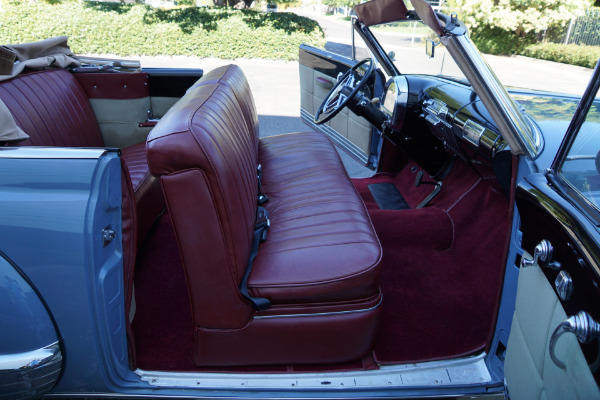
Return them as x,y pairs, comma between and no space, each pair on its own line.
442,265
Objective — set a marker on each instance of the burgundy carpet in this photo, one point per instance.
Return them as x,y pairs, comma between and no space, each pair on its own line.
442,267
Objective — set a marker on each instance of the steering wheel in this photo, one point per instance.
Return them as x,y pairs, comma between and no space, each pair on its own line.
344,90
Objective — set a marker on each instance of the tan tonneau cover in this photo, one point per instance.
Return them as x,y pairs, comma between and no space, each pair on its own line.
53,52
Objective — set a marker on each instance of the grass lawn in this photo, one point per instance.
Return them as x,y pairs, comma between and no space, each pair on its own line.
134,29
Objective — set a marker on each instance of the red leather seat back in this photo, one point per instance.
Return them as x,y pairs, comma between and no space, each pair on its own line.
52,108
206,155
233,77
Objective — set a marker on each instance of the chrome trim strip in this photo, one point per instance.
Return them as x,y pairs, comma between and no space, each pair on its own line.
51,153
397,88
321,314
28,359
459,372
352,149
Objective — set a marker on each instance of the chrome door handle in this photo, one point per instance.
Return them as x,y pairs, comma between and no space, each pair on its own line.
582,325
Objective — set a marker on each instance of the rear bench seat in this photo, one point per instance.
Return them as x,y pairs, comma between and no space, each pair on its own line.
319,264
53,109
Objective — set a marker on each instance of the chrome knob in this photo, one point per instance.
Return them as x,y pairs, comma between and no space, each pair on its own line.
564,285
582,325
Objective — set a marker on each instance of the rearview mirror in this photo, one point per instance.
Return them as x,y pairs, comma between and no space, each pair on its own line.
430,48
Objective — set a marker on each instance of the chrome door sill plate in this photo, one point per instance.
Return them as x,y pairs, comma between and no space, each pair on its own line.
464,371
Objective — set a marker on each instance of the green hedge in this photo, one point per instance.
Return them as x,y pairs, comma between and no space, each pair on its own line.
128,30
497,41
575,54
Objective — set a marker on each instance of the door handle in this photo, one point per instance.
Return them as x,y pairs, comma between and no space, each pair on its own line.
582,325
324,83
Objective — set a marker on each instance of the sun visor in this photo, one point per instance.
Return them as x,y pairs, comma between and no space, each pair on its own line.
377,12
427,15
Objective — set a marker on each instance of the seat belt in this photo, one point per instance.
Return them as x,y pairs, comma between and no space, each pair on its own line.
262,198
260,235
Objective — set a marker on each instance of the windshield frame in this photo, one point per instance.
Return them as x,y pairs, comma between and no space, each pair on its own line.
376,49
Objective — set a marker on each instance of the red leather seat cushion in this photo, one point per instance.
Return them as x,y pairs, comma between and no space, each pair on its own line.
321,246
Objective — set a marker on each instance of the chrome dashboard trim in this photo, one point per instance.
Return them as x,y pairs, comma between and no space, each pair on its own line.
473,132
398,88
522,136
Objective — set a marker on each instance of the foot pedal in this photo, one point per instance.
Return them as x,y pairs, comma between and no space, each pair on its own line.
387,196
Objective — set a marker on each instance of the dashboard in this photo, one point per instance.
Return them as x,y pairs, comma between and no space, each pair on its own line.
452,112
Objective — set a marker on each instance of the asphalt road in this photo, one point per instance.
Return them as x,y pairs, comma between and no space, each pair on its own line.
276,85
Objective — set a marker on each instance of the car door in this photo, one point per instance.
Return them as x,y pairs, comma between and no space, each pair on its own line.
319,71
553,349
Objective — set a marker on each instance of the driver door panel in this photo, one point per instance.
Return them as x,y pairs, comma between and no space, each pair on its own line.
318,73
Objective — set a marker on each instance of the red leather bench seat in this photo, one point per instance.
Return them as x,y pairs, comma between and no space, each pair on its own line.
319,264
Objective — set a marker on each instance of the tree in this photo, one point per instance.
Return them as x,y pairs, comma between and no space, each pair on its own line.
519,16
501,26
347,4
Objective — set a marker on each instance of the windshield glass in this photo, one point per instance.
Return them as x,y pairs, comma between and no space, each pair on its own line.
407,40
581,167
